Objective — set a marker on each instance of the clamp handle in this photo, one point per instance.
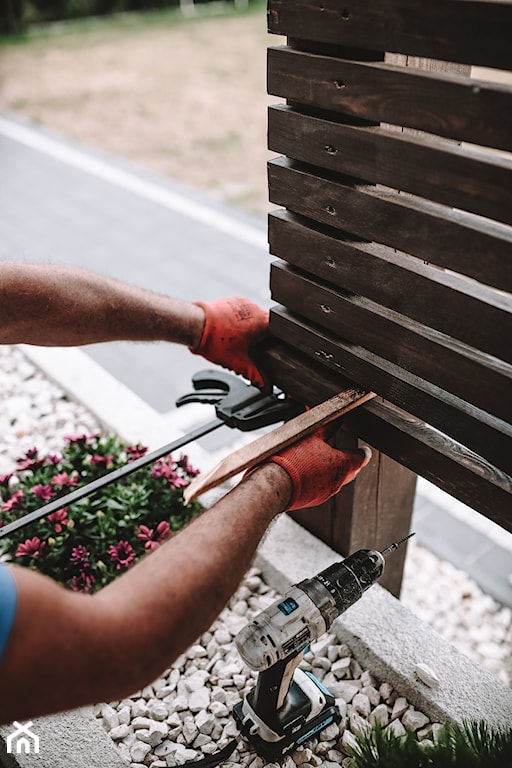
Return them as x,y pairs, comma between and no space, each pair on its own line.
239,404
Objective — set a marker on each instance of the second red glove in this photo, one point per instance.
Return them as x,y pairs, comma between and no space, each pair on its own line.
317,470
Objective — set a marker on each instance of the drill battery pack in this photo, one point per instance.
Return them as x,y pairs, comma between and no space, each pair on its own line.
308,709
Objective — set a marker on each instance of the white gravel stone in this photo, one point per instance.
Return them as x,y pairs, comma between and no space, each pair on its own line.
210,677
427,675
348,742
380,715
199,700
119,732
413,720
138,751
399,707
361,704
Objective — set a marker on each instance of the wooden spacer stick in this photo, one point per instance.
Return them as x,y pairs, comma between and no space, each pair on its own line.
266,446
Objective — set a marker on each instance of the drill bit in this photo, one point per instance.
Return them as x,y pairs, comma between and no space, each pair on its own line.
395,545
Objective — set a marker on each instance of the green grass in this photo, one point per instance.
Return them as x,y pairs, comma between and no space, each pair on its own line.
120,24
472,745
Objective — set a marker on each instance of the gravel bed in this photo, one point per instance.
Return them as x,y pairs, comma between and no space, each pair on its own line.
187,712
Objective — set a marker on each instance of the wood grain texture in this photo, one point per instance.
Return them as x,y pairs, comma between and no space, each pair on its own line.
486,436
368,513
406,439
467,32
454,306
473,376
463,243
443,104
437,170
287,434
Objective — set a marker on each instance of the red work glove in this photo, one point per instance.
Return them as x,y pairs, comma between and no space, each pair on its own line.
317,470
231,327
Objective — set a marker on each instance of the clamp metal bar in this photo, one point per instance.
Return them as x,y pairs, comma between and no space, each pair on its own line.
111,477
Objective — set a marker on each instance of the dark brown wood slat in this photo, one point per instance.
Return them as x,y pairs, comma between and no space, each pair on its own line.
455,306
460,242
440,171
447,105
470,375
423,450
459,472
466,32
486,436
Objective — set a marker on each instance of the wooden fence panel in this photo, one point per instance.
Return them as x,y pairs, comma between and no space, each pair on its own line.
396,245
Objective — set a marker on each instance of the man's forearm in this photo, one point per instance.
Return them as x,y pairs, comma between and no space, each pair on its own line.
122,638
51,305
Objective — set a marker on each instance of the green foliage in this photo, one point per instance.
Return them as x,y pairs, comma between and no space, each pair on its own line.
86,545
17,16
471,745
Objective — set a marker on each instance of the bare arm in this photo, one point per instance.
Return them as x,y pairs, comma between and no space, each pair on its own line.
51,305
68,649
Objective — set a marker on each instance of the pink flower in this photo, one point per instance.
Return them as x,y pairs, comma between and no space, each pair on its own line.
4,479
79,554
30,548
53,459
15,502
183,464
84,581
164,468
136,452
43,492
122,553
64,480
29,461
154,538
80,438
99,459
60,518
159,469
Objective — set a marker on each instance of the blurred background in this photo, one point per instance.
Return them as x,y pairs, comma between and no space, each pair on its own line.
175,85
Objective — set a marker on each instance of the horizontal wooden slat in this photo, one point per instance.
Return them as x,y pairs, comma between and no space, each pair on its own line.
422,449
460,242
466,32
447,105
472,376
440,171
457,307
490,438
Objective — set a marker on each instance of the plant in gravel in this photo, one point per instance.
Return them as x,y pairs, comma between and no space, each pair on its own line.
86,545
470,745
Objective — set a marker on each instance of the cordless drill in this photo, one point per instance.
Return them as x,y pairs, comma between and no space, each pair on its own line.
288,705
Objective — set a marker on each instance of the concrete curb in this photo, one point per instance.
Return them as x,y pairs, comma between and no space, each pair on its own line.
72,739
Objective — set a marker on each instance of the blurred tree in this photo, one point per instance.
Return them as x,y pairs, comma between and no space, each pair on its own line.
11,16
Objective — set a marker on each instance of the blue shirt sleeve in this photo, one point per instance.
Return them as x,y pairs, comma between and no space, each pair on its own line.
8,600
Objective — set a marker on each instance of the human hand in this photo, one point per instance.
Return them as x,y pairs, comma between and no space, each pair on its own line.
231,327
317,470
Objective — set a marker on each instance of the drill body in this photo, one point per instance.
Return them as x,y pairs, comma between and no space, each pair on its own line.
287,705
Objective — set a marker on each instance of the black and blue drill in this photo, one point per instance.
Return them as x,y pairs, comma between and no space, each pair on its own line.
288,706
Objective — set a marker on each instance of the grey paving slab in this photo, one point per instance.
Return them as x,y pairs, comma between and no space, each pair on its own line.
53,211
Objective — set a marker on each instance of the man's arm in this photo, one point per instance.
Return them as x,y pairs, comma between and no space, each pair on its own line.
50,305
62,306
68,649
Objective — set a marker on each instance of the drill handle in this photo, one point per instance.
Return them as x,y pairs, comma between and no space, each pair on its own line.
273,684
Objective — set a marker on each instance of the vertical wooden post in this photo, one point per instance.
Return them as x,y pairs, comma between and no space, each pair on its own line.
370,513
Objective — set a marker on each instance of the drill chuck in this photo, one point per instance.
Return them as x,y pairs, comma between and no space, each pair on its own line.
308,609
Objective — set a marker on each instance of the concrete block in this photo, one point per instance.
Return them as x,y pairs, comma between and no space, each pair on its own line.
72,739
